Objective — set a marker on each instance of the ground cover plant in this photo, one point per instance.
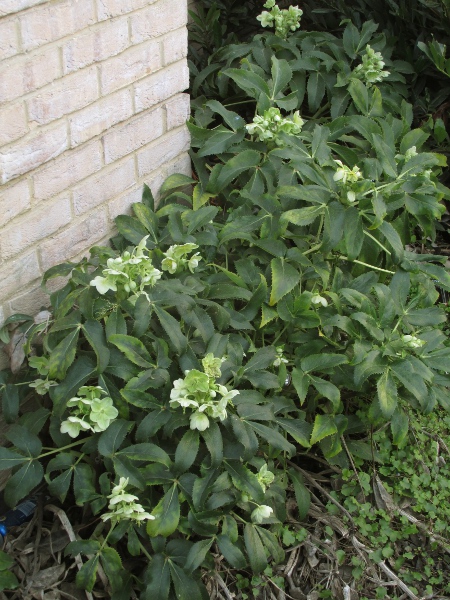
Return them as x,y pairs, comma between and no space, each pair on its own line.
268,314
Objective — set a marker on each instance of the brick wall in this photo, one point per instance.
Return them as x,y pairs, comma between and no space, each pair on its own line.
91,107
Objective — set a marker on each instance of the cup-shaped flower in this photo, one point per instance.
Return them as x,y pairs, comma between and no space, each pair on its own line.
102,413
104,284
196,381
73,426
318,299
169,264
265,477
199,420
211,365
260,513
123,505
193,261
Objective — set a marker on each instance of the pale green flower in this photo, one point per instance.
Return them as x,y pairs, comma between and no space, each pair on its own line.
260,513
123,506
411,341
371,68
73,426
268,126
42,386
102,413
280,358
318,299
346,175
169,264
284,20
104,284
193,261
265,477
199,421
211,365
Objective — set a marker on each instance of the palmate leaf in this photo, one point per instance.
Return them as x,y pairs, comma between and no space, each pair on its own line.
255,549
23,481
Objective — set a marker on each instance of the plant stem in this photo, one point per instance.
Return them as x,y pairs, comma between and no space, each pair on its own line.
359,262
321,110
144,550
376,241
78,443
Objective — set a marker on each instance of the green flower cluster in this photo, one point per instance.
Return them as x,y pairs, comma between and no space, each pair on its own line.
40,363
269,126
346,177
176,258
284,20
90,412
131,271
198,391
371,69
123,506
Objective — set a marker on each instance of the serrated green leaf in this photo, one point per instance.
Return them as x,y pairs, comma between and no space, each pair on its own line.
186,451
360,95
111,439
298,429
166,513
399,426
23,481
158,572
284,279
10,459
322,362
146,452
255,549
353,232
87,575
131,228
10,402
387,394
231,552
133,349
244,480
172,327
324,426
302,495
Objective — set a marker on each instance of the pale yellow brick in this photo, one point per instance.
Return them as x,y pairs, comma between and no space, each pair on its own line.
76,239
24,74
13,6
41,222
32,151
131,65
30,302
102,187
67,170
177,111
14,124
55,20
64,97
161,85
158,19
163,151
109,39
182,164
135,134
97,118
9,39
14,200
175,45
112,8
18,273
122,205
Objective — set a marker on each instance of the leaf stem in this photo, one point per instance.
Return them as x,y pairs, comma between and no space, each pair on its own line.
359,262
77,443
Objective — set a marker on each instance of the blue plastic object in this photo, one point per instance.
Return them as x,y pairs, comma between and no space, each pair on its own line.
17,516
